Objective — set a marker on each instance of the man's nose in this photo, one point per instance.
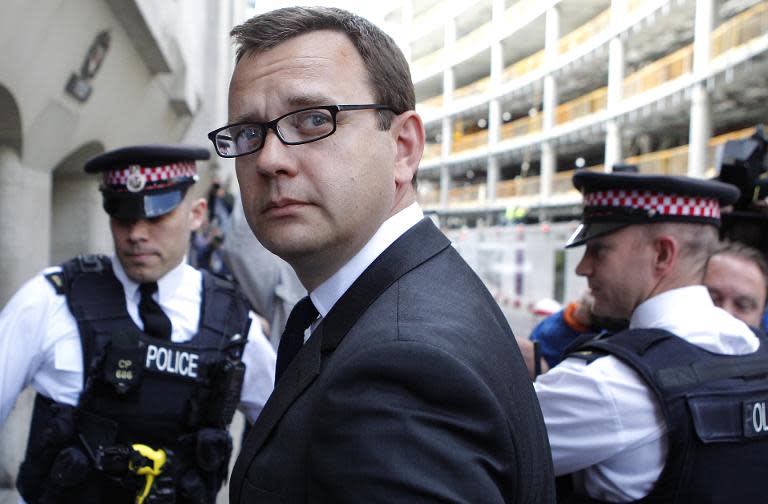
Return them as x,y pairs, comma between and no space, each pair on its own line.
274,158
583,268
138,230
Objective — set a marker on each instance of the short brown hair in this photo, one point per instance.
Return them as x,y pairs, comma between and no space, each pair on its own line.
744,251
388,72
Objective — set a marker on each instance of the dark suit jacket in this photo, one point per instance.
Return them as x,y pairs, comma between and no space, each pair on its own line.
411,389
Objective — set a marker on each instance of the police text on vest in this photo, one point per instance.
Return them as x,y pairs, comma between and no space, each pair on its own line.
168,360
755,418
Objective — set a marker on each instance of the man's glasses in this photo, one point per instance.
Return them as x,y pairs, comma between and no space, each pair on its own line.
295,128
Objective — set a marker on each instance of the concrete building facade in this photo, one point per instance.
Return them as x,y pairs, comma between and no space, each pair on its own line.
80,77
516,94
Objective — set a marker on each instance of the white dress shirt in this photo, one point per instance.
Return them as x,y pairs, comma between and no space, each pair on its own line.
40,341
604,423
329,292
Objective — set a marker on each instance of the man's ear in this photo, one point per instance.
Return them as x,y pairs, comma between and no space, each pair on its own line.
666,251
408,130
198,211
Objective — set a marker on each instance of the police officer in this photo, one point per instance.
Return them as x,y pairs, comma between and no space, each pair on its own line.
138,360
673,408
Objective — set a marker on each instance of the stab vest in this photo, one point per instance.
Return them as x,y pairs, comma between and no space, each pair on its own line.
138,389
715,411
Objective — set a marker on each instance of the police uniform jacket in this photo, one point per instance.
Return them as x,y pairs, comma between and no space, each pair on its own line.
40,343
604,423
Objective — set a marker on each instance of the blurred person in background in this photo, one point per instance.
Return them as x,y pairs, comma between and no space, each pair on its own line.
737,279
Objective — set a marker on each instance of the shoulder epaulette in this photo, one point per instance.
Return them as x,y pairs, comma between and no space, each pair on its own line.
56,279
587,355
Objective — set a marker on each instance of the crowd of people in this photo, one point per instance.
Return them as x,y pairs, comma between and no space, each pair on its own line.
397,377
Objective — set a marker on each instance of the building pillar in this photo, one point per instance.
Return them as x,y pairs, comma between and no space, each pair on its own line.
549,105
548,165
406,25
494,133
700,126
613,143
445,185
613,149
492,179
25,214
449,41
494,107
25,222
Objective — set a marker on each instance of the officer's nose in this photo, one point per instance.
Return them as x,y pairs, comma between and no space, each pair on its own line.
584,268
138,230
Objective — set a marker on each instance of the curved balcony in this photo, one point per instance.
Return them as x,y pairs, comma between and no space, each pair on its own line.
523,67
740,29
585,32
661,71
473,42
474,88
666,162
471,141
521,127
582,106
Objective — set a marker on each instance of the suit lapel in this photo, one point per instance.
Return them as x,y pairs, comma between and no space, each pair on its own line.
414,247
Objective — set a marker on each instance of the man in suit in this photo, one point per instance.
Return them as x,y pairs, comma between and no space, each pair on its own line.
407,384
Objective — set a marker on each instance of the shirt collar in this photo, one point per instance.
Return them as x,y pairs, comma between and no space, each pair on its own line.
688,312
327,293
165,285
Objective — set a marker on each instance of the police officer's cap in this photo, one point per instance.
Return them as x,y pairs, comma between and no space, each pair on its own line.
145,181
616,200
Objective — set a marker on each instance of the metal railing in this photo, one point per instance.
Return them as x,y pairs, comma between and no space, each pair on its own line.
666,162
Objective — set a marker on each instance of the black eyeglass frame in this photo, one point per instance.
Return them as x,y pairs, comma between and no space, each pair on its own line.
333,109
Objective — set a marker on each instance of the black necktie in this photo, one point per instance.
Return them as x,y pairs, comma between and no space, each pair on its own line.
302,315
156,323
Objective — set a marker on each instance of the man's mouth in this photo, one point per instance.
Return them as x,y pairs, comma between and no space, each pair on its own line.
276,205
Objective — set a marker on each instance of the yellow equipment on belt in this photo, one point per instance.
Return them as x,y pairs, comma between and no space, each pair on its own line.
158,458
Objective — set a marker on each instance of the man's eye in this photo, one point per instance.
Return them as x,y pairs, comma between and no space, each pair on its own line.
312,119
745,304
250,132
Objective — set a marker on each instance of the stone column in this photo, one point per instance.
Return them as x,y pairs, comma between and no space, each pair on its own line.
548,154
25,210
700,126
494,107
25,222
449,41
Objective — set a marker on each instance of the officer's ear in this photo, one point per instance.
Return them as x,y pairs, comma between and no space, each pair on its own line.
666,252
198,212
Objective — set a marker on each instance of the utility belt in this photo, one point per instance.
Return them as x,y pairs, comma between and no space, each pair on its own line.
64,466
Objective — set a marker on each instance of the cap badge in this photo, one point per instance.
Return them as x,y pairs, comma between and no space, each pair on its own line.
136,180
